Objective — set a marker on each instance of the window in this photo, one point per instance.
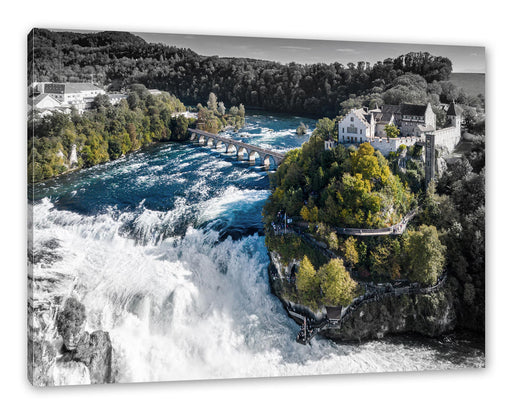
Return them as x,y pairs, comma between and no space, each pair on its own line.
351,119
360,132
352,130
343,129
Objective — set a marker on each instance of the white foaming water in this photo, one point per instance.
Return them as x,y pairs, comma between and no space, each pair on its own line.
232,199
192,307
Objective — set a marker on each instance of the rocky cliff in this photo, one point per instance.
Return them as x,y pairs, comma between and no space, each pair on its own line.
430,314
426,314
61,352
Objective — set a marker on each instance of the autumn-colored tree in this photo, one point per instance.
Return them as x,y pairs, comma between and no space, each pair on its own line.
366,163
309,214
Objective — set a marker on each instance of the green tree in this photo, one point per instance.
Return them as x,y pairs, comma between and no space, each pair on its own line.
308,284
325,128
391,131
101,101
332,240
425,255
350,251
338,288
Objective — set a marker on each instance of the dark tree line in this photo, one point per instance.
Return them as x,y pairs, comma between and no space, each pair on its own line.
119,59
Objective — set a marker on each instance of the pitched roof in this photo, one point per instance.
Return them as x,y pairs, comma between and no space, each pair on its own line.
39,98
362,115
391,109
76,87
71,87
454,110
384,117
410,109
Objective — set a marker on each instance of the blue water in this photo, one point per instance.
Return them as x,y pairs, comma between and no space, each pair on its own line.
165,248
173,176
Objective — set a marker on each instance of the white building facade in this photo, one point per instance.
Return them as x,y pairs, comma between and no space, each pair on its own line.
356,127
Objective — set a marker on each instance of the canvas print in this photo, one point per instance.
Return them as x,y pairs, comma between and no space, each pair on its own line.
209,207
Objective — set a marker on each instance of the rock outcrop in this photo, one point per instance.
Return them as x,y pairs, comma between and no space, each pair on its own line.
430,315
94,350
66,346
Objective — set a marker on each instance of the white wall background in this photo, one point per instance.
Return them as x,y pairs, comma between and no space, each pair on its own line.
463,391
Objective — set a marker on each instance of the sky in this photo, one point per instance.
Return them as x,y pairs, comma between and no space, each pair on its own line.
464,58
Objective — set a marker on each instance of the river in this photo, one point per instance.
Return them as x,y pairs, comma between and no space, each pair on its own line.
166,250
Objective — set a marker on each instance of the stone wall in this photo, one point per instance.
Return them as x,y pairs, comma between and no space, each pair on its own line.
447,138
386,145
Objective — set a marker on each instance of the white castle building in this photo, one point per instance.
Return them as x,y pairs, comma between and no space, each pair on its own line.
414,122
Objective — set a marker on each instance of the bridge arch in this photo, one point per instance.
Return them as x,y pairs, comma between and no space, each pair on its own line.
242,153
231,148
255,154
269,162
201,140
211,142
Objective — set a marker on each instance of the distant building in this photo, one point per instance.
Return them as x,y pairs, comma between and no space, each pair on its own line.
115,98
73,94
45,104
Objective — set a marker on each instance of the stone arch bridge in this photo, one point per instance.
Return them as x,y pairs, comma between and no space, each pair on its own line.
268,158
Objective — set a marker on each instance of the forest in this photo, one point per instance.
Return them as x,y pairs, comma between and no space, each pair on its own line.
116,60
61,142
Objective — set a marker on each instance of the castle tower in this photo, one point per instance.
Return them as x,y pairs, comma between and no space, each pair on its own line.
430,158
454,116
